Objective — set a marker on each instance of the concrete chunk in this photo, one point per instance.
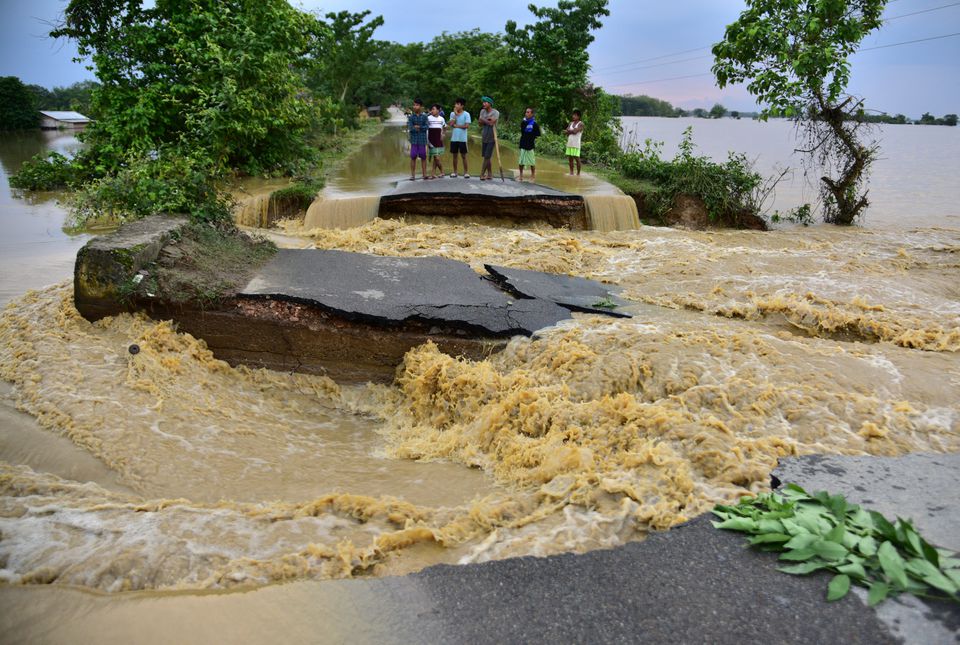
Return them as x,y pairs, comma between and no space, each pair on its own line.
108,262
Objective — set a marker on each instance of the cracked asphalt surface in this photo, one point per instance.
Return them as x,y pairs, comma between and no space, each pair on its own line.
391,290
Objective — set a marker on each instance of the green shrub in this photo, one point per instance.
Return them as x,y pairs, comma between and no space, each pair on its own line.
728,189
164,182
48,172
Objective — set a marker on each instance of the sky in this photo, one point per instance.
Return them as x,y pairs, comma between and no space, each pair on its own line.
645,47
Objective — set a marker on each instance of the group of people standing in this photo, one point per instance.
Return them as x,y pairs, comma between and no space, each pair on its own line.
426,133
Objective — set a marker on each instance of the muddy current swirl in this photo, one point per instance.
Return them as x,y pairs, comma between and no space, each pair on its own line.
744,348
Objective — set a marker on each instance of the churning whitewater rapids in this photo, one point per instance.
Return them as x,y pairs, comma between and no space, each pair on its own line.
744,348
170,470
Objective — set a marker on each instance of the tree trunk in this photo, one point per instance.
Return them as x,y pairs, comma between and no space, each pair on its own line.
854,159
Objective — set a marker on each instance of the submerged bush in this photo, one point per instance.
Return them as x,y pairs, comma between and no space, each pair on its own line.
164,182
729,189
46,172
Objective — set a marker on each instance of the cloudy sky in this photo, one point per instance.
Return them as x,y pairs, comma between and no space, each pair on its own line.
645,47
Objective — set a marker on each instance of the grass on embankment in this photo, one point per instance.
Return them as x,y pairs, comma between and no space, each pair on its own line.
203,264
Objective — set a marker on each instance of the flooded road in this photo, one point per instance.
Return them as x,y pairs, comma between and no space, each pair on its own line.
161,477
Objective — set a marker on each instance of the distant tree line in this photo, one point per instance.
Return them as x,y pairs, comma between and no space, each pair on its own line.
929,119
644,105
900,119
74,97
20,104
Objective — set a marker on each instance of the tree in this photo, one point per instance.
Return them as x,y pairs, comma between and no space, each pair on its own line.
552,52
928,119
18,108
214,78
700,113
645,106
734,114
718,111
468,64
950,119
342,57
793,55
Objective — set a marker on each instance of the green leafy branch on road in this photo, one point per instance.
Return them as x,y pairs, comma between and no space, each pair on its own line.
825,532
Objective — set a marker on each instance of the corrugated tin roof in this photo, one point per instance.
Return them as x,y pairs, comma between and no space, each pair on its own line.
64,116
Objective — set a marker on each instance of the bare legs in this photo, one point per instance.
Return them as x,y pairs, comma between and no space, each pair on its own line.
455,170
413,168
570,160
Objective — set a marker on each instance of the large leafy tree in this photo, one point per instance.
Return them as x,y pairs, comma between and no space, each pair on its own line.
343,56
552,53
468,64
18,108
793,55
213,78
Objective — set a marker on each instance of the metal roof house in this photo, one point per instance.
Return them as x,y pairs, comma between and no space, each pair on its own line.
52,120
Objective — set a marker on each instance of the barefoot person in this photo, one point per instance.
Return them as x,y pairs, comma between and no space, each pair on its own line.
435,141
529,131
574,131
488,121
460,124
417,126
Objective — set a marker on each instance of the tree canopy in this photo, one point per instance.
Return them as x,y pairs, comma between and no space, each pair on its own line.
217,76
788,51
552,53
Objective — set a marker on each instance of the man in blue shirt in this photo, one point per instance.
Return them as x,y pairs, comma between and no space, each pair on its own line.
459,123
417,126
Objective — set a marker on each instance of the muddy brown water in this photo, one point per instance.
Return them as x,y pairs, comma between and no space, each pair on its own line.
138,494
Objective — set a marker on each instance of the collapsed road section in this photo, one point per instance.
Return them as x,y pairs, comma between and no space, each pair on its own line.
351,316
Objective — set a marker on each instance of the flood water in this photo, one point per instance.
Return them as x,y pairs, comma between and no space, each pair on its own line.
133,487
913,182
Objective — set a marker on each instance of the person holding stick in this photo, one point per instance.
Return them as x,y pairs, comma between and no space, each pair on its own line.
488,121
